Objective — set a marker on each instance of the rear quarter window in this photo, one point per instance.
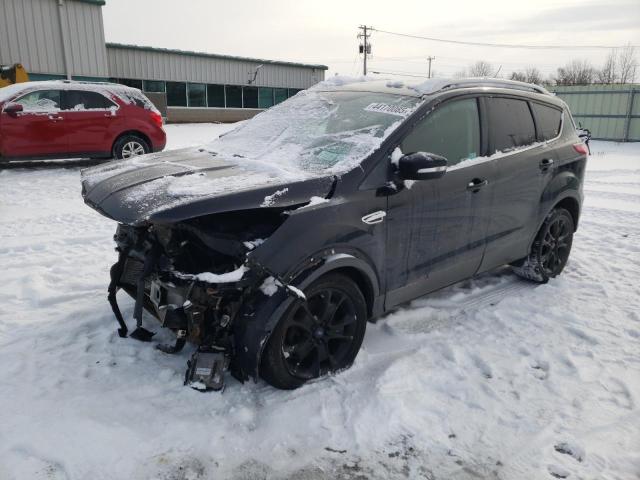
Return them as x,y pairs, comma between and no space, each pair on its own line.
510,124
548,120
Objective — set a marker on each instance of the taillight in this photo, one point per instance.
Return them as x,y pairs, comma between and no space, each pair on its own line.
581,148
157,118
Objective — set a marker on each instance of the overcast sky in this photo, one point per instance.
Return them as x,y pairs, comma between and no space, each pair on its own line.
325,31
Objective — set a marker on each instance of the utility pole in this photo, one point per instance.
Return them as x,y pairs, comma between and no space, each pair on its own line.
365,46
429,59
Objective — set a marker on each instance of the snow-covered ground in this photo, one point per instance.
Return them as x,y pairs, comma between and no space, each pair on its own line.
491,378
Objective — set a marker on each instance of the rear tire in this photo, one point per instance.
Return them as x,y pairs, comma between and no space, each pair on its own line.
128,146
318,336
550,250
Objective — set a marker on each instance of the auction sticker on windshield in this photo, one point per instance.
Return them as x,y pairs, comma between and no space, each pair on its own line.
390,109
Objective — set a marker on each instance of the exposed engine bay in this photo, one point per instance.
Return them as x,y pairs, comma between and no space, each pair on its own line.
193,277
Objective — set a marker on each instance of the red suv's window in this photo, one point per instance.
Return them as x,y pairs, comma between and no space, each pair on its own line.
86,100
40,101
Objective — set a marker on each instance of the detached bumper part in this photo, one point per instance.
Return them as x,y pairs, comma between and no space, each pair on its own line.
205,371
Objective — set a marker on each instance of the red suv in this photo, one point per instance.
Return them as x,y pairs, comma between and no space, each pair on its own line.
62,118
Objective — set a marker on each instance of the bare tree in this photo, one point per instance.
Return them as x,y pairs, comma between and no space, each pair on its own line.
533,75
530,75
461,73
577,72
481,69
609,71
627,65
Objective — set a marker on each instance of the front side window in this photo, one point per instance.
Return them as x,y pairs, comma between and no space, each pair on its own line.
452,131
197,95
176,94
510,124
548,119
40,101
86,100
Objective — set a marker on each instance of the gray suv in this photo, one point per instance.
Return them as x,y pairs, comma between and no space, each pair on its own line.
271,247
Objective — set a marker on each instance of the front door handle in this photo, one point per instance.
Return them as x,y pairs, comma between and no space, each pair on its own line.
545,163
55,118
476,184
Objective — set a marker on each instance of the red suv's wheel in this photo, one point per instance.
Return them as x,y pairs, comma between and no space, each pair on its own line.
129,146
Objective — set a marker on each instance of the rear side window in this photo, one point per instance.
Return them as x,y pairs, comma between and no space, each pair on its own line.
548,119
452,130
40,101
510,124
86,100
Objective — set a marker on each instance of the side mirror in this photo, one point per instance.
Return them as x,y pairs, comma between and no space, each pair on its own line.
422,166
13,109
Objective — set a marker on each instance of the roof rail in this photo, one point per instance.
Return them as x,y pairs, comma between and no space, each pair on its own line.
494,82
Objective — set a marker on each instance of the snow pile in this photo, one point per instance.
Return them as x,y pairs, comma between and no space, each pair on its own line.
269,200
270,286
229,277
490,378
315,201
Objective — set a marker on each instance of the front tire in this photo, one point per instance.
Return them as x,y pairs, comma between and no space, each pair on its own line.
318,336
550,250
128,146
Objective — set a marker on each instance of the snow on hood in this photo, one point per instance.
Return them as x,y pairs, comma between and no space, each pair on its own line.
176,185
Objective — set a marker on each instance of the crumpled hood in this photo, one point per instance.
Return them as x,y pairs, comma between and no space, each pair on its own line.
177,185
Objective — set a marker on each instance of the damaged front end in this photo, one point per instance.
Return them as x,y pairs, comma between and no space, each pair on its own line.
195,277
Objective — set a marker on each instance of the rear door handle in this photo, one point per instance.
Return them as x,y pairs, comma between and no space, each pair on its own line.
476,184
545,163
55,118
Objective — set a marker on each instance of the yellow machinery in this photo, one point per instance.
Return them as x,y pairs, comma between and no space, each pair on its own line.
13,74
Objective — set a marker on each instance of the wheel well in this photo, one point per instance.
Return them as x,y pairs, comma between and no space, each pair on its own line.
364,284
571,205
135,133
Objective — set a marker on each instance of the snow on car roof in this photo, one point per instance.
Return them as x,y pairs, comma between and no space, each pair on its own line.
416,88
126,94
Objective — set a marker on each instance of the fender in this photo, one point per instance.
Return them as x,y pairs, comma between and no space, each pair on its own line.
564,185
259,317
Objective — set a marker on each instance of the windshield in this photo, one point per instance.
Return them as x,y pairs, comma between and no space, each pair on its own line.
323,132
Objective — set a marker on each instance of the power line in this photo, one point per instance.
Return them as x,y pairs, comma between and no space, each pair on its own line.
505,45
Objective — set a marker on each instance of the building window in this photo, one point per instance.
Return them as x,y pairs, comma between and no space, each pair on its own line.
250,97
197,95
153,86
176,94
233,95
293,91
279,95
215,96
266,97
130,82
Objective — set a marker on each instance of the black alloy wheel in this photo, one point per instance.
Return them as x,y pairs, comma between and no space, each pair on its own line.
556,245
318,336
550,250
